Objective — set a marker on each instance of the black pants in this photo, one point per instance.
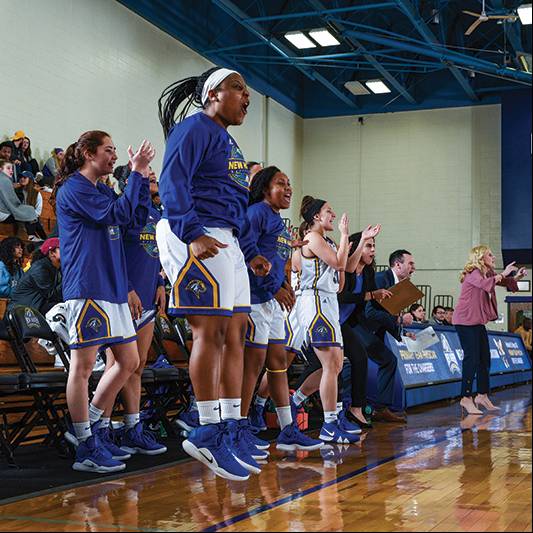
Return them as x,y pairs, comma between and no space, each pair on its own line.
386,361
32,228
355,351
476,360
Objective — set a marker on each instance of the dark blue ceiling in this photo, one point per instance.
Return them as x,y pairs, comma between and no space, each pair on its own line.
417,47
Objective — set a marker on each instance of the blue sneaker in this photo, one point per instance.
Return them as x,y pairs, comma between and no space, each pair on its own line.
91,456
257,418
207,444
291,438
106,439
188,420
346,425
139,440
331,432
238,445
253,442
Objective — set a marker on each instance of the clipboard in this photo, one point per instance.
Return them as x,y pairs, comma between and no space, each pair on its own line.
404,293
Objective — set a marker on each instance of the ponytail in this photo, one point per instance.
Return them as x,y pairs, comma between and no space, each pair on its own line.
188,90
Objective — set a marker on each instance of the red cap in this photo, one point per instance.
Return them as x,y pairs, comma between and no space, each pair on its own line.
49,244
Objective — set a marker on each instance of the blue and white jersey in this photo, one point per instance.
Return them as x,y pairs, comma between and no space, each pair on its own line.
89,218
274,243
318,275
205,182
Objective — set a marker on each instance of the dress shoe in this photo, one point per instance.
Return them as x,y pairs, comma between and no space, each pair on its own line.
352,418
386,415
486,403
468,405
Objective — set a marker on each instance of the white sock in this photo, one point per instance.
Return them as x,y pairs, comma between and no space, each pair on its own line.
330,416
82,430
284,416
94,414
105,422
209,412
259,400
298,398
132,420
230,408
339,407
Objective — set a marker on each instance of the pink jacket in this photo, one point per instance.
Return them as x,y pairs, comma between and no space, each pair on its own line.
477,303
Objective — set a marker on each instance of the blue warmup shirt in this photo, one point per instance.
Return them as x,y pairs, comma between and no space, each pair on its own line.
89,218
205,182
142,260
346,310
274,242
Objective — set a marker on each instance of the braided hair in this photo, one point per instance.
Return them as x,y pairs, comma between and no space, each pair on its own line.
260,184
188,90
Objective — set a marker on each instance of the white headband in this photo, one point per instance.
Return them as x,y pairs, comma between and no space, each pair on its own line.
214,80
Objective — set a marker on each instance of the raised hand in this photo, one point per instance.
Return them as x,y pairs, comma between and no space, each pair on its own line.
370,232
141,159
205,246
522,273
344,225
509,269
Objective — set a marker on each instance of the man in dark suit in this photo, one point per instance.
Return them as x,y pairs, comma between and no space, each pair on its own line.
372,332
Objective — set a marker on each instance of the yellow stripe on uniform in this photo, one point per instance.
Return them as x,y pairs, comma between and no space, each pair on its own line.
320,315
91,303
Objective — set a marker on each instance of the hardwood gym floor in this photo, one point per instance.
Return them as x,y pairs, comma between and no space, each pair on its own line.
437,473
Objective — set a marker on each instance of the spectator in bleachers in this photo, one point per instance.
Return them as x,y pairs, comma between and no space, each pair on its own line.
448,317
11,254
51,167
11,208
29,195
40,286
17,156
438,316
524,330
6,149
6,167
28,162
419,313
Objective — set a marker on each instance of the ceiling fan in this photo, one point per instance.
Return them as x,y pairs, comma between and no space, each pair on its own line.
483,17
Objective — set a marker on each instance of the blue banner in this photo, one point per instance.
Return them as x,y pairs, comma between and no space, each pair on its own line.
442,362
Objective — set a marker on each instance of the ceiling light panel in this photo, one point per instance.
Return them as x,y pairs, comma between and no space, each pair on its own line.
299,40
323,37
377,86
356,88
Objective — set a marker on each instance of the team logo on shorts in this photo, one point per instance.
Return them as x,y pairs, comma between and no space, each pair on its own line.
197,287
94,323
322,331
114,232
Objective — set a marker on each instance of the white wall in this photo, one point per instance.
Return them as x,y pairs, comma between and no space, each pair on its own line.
96,65
432,178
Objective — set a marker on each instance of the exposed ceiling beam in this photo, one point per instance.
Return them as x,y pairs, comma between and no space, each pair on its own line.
356,45
240,16
417,21
450,57
322,12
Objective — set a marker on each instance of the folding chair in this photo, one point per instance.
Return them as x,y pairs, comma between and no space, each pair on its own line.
25,324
